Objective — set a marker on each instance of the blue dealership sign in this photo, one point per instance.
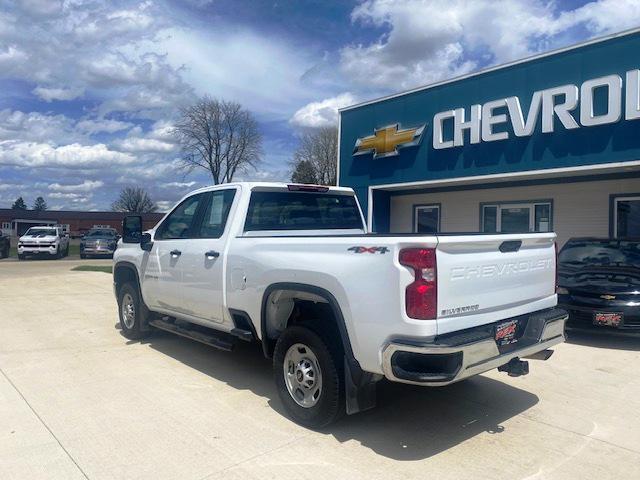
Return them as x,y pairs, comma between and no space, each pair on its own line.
575,107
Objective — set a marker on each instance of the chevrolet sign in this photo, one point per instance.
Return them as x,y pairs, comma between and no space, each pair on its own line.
572,106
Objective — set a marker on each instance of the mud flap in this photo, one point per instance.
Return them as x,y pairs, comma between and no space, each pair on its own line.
359,389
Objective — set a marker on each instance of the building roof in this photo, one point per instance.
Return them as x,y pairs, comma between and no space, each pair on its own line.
69,214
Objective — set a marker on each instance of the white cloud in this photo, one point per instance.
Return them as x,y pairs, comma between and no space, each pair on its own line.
179,184
428,40
145,145
86,186
50,94
323,113
32,154
35,126
90,126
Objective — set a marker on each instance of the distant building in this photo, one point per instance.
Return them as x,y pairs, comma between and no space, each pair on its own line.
76,223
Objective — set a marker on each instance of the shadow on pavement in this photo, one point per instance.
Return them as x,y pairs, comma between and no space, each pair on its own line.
614,340
410,423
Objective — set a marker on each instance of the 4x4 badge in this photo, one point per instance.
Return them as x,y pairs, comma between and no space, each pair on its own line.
381,250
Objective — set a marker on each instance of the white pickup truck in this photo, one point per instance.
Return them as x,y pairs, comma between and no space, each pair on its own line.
50,241
337,309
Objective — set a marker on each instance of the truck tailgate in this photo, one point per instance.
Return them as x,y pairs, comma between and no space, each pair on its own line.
486,278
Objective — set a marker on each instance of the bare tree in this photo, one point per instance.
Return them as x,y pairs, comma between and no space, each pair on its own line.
318,152
134,200
219,136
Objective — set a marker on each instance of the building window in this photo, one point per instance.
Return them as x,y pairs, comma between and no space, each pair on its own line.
6,225
626,216
517,217
426,218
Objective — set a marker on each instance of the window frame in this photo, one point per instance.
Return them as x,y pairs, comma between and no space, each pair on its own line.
195,222
249,230
417,207
200,219
614,198
529,203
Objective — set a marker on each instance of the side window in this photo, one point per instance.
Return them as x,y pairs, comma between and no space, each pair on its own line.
215,215
178,224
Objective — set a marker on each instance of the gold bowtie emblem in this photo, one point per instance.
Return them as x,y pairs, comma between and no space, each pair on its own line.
608,297
386,141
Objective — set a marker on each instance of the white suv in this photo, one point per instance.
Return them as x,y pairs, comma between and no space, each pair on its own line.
50,241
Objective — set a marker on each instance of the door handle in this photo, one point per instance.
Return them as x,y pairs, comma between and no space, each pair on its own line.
175,253
212,254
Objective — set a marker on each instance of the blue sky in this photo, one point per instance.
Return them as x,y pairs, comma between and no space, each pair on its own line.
89,89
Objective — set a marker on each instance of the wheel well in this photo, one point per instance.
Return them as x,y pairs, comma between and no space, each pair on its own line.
123,274
285,307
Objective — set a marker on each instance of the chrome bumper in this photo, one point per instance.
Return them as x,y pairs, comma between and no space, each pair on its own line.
475,357
97,251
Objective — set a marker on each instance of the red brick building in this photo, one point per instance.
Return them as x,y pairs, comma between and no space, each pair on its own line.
76,223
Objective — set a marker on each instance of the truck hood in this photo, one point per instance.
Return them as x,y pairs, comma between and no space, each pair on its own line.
37,238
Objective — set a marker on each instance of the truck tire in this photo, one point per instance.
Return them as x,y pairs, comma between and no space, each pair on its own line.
83,256
20,257
130,312
308,378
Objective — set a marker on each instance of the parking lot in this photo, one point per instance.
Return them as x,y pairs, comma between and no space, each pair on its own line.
77,400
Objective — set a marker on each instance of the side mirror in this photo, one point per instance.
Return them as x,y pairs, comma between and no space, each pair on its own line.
146,243
132,229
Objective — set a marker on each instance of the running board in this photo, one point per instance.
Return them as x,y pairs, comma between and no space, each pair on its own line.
213,340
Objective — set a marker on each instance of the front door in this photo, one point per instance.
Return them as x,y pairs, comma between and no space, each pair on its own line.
203,263
162,282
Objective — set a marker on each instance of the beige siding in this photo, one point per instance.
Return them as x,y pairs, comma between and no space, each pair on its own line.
579,209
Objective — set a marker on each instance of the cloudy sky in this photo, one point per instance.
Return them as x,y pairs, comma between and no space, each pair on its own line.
88,89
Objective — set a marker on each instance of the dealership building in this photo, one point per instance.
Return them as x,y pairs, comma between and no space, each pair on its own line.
549,143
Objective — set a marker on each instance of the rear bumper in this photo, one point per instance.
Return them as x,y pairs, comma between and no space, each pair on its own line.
464,354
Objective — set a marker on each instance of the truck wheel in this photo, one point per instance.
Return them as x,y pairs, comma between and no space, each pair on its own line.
130,312
83,256
20,257
308,378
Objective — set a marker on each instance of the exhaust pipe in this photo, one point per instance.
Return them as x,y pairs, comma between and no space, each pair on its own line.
515,367
542,355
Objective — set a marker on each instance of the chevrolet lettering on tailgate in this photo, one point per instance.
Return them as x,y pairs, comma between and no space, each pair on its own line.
499,269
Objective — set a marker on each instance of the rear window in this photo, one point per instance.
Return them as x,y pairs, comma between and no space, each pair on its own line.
302,211
601,253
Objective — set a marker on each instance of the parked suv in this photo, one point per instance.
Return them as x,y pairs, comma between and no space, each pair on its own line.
99,241
5,246
599,283
47,241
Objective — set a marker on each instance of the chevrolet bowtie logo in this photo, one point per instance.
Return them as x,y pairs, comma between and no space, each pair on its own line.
386,141
608,297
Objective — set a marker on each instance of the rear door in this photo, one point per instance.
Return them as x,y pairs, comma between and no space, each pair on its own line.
486,278
203,262
162,282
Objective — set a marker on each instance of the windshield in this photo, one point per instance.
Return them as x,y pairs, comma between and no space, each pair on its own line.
584,253
302,211
101,233
42,232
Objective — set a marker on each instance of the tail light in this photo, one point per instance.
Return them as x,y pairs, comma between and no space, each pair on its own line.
421,296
